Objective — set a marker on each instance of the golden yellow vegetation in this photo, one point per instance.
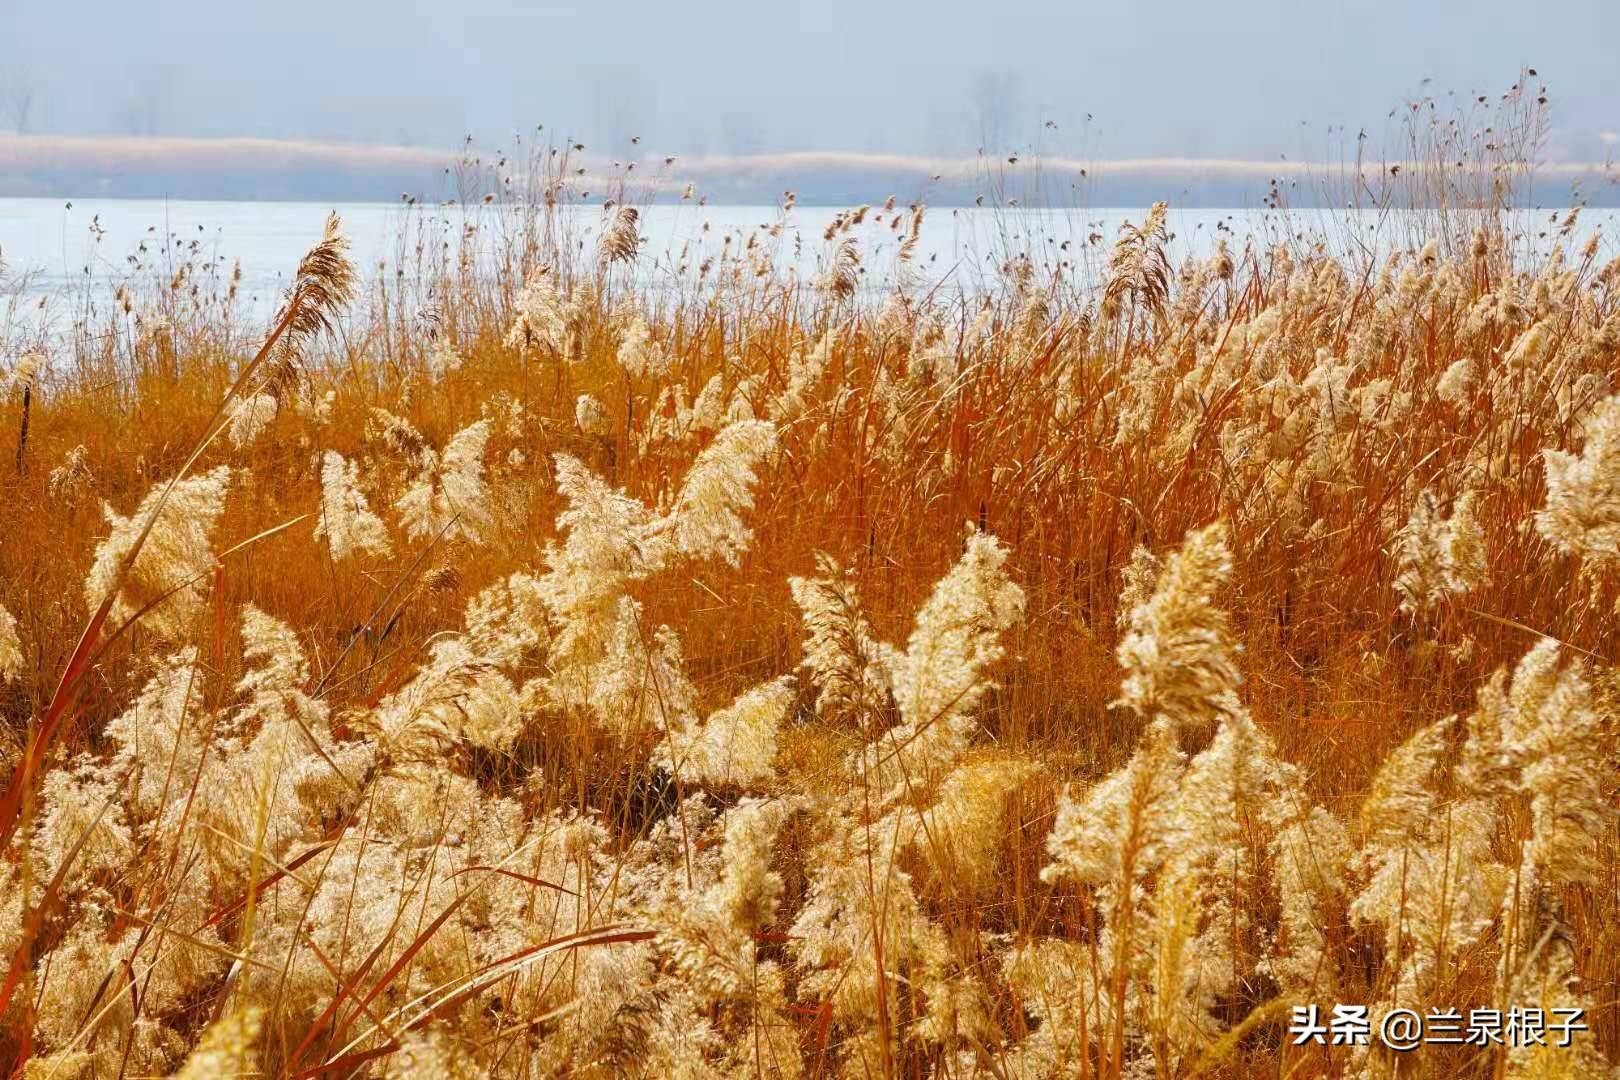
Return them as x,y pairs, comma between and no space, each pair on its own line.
757,676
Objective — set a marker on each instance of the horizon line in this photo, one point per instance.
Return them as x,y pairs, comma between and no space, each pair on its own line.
45,164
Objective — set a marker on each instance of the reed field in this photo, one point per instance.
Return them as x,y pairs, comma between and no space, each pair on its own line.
513,664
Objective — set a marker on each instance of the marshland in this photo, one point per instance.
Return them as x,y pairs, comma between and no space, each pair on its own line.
785,650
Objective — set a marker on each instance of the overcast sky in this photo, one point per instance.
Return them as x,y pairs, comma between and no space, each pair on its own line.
1177,77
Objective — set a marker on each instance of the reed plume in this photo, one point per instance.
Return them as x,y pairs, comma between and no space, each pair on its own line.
12,659
620,238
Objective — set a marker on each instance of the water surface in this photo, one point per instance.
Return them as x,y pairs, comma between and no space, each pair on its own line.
90,246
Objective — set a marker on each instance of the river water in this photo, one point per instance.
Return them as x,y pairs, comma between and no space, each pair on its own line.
52,246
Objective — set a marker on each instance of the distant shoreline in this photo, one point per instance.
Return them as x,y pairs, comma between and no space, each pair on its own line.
284,170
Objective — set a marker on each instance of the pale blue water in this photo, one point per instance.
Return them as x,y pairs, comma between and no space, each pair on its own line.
49,246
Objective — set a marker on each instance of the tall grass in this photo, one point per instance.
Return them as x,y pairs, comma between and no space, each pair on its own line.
545,672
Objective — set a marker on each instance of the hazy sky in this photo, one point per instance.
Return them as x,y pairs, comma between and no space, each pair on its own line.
1178,77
